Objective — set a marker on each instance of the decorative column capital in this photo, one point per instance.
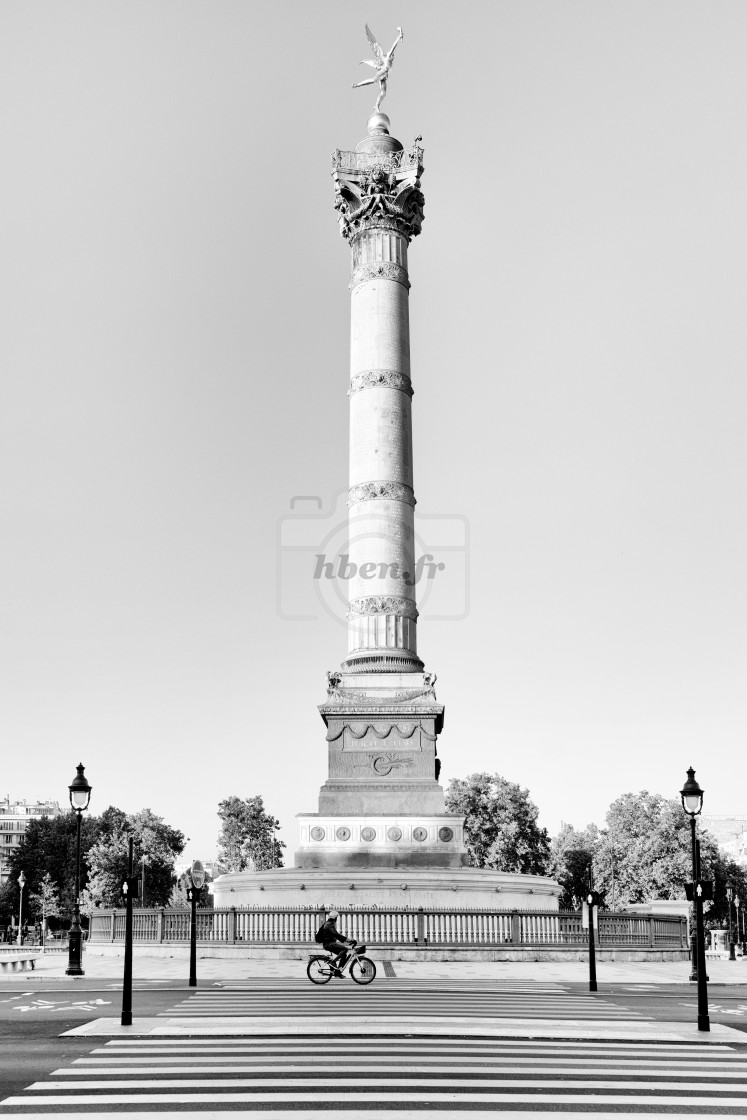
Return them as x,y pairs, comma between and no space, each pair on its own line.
379,190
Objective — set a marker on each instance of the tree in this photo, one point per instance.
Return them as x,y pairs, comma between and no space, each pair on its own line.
645,849
247,836
571,857
108,857
643,854
45,903
501,829
724,873
48,846
8,903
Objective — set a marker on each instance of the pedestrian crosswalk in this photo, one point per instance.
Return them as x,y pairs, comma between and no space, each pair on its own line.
374,1076
429,998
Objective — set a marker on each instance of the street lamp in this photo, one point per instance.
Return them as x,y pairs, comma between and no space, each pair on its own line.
737,904
143,861
692,803
732,946
21,881
80,795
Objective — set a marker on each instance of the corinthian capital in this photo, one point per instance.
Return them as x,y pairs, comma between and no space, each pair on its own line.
379,190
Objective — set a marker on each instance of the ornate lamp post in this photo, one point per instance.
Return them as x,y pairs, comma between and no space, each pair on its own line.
740,923
21,881
692,803
80,795
143,861
729,899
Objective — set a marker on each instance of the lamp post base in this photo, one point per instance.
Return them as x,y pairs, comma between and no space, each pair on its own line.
693,956
75,953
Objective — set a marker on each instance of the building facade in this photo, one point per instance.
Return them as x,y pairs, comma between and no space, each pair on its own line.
730,832
15,817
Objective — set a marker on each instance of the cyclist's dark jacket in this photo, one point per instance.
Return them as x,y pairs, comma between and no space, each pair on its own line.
329,933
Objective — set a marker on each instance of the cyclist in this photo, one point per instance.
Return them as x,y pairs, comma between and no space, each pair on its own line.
333,941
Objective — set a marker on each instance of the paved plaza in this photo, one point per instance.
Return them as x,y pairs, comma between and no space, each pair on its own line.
720,970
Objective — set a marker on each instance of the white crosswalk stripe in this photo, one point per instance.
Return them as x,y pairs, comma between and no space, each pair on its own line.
366,1078
338,998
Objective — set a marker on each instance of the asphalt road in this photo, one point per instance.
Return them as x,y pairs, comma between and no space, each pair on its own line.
677,1003
34,1016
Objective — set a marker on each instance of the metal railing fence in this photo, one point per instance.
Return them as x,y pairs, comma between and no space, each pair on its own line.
388,927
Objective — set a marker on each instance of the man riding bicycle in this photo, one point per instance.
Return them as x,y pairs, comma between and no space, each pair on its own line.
333,941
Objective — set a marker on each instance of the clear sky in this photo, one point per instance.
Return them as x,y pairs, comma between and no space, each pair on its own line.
174,371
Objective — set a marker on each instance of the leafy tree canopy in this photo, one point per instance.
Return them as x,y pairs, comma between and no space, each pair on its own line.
247,836
645,848
154,840
45,903
501,829
643,854
48,848
572,855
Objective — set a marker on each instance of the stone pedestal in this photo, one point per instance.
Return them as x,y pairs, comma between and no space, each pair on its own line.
382,804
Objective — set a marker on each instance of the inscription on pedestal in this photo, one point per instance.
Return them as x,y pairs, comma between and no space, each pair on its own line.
373,742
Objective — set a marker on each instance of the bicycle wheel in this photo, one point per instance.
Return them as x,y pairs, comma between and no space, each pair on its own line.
363,970
318,970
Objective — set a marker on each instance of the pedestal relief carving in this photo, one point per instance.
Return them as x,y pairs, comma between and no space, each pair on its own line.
360,729
383,764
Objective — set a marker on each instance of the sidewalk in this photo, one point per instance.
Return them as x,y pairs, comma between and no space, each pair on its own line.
52,967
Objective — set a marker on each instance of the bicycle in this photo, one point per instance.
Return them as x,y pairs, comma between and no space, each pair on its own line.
362,970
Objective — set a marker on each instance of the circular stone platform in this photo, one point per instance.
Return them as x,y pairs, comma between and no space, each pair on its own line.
468,888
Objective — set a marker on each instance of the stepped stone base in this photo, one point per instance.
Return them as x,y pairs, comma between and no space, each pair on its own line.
466,888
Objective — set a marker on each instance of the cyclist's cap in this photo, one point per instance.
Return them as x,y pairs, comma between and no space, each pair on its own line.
333,914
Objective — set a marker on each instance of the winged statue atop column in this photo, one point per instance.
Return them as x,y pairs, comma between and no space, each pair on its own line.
382,64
